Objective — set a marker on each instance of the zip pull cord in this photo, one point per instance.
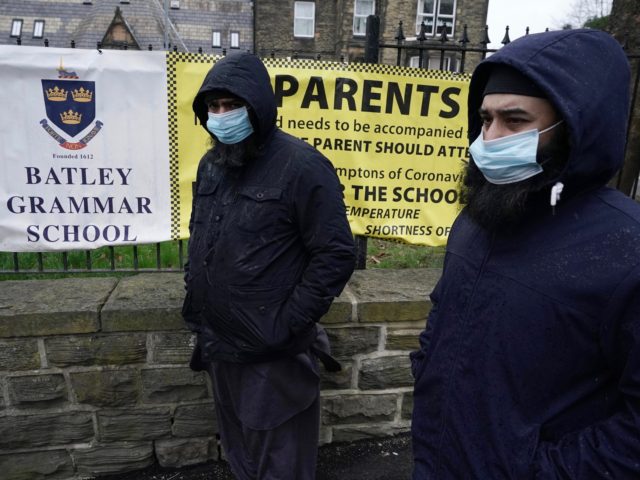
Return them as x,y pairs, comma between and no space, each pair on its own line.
556,190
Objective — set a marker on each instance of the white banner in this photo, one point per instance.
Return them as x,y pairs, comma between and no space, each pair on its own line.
84,149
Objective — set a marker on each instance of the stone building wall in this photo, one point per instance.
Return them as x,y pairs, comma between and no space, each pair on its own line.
274,30
334,37
94,375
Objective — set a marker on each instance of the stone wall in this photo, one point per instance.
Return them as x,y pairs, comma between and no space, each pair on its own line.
334,36
94,377
274,30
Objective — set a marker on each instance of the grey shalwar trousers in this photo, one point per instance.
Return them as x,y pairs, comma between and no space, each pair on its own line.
287,452
269,417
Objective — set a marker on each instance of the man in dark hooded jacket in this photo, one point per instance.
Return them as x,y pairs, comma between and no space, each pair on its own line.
270,248
529,367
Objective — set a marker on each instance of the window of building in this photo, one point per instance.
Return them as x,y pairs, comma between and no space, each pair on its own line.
16,27
235,40
38,28
432,62
216,39
361,10
304,19
436,14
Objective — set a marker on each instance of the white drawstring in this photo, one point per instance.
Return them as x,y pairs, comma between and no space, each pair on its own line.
556,190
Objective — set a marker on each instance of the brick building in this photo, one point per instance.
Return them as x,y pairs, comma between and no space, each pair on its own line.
337,29
212,25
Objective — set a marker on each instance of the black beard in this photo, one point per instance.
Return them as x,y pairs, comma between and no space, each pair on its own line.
235,155
504,207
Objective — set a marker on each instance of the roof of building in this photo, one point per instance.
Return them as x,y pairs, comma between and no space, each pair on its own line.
86,23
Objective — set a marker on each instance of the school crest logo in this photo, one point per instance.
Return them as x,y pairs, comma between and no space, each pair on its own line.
71,107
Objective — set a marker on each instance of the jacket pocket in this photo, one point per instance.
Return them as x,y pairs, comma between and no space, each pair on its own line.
256,319
204,200
260,208
203,208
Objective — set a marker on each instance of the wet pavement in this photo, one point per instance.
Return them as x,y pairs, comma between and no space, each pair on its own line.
375,459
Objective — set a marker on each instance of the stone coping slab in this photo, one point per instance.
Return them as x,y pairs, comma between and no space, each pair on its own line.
393,295
145,302
153,301
51,307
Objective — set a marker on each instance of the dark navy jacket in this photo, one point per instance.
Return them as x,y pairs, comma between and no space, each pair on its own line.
530,363
270,244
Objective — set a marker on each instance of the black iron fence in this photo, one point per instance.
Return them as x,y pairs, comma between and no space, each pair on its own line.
446,47
170,256
167,256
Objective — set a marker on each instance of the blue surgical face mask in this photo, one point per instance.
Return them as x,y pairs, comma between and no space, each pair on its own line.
230,127
508,159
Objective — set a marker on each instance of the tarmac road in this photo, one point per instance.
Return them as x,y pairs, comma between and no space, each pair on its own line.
375,459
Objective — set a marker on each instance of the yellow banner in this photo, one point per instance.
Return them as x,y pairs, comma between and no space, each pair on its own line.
396,136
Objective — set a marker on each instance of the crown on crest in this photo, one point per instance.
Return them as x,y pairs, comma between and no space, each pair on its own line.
56,94
82,95
70,117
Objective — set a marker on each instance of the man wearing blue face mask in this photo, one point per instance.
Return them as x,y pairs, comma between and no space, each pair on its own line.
529,366
270,248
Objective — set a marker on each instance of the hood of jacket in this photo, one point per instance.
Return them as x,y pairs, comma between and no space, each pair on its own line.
245,76
585,74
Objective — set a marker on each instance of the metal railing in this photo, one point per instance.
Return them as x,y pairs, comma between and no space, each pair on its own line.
167,256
